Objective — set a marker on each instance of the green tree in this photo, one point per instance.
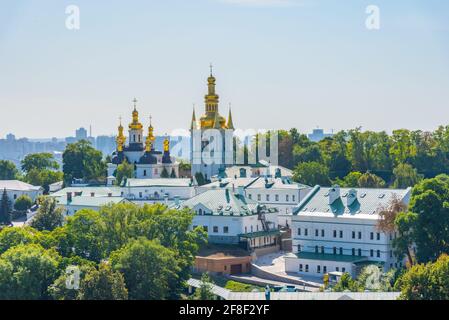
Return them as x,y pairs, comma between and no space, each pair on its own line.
312,173
103,284
148,268
350,181
82,161
40,161
164,173
43,177
204,292
405,176
346,283
8,170
125,171
370,180
49,216
26,272
5,209
200,179
427,220
426,281
23,203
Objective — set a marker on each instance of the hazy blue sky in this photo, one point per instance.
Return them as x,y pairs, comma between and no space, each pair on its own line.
282,64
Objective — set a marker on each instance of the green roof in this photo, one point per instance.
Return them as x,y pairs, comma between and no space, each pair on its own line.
330,257
367,202
224,202
260,234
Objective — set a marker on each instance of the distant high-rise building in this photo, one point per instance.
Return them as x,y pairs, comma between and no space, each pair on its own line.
81,134
318,134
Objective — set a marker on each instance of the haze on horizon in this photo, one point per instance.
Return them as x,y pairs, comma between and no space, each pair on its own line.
281,63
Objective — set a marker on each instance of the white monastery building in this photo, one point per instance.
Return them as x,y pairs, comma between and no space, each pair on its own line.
335,230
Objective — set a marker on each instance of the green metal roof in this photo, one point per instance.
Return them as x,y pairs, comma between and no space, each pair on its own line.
223,202
368,201
330,257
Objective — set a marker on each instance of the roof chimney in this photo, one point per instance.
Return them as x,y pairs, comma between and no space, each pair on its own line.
352,197
334,194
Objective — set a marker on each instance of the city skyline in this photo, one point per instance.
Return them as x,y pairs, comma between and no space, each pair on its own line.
289,64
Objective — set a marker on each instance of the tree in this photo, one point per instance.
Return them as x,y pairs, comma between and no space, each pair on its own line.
148,268
23,203
103,284
125,171
164,173
43,177
350,181
40,161
427,221
48,216
312,173
405,176
26,271
346,283
8,170
5,209
82,161
426,281
370,180
200,180
204,292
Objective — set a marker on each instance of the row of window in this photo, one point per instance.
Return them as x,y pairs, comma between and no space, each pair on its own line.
215,229
354,251
276,197
318,268
339,233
